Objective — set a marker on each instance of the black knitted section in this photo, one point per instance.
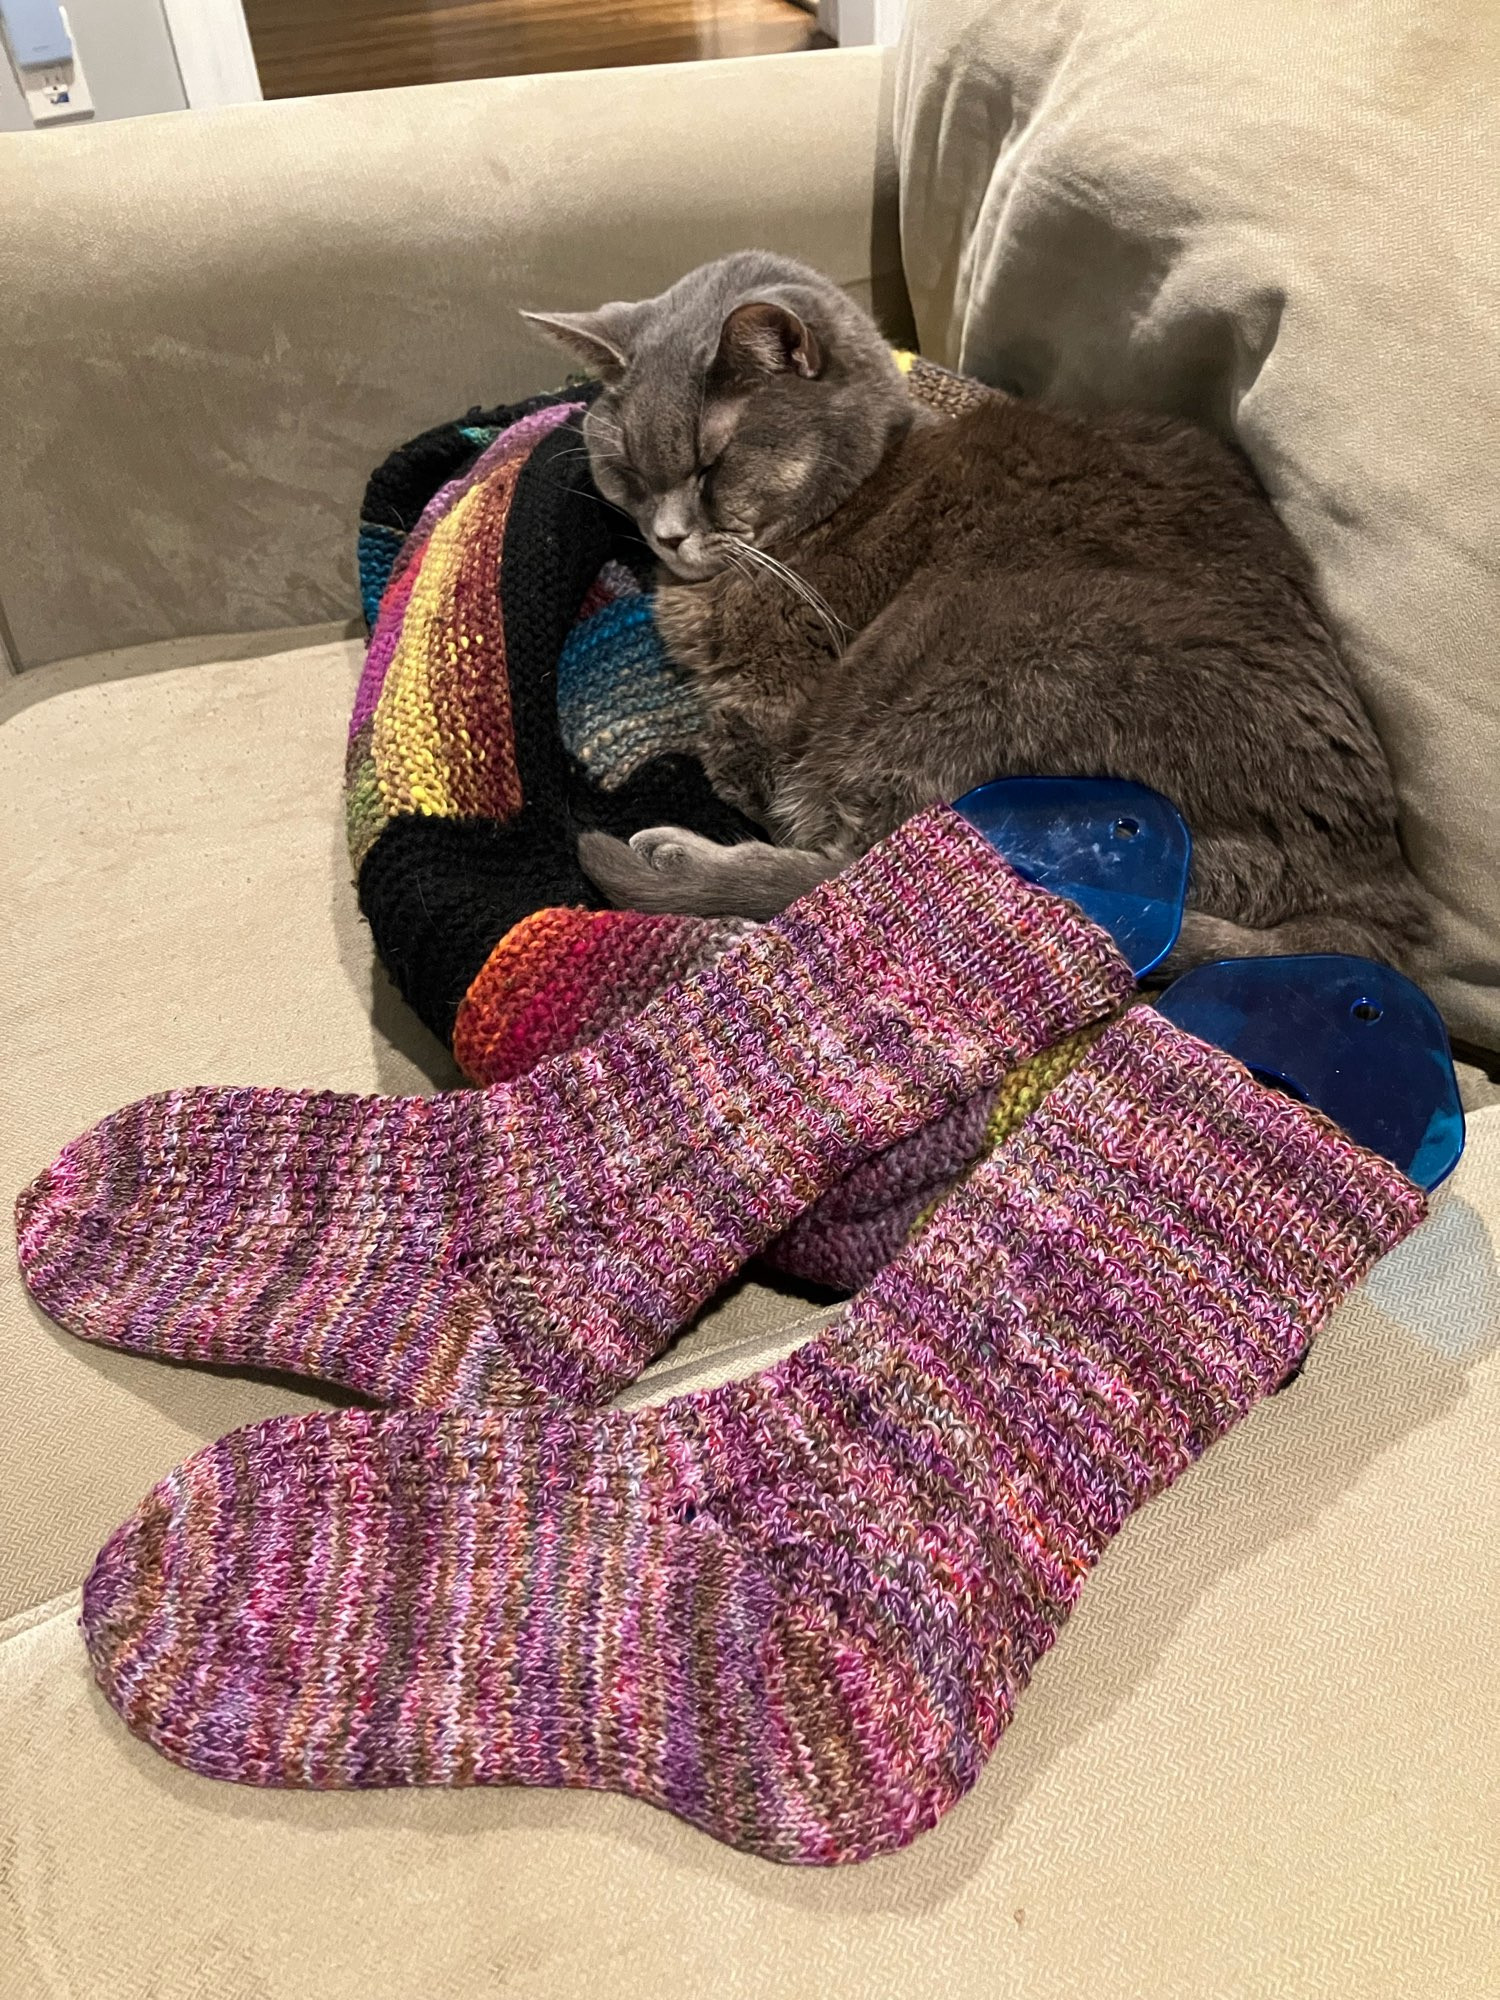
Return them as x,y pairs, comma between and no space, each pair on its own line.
558,536
402,485
439,894
671,790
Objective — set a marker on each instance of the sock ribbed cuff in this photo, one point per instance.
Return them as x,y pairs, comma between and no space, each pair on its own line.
914,979
1206,1225
949,929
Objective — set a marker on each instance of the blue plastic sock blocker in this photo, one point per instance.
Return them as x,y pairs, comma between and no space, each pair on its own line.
1348,1035
1117,850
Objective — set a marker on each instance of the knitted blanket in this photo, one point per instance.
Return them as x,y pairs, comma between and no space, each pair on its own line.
515,691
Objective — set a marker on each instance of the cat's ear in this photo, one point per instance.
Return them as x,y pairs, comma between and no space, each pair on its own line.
765,338
597,338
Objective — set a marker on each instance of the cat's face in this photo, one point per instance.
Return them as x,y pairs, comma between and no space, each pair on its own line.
740,408
704,477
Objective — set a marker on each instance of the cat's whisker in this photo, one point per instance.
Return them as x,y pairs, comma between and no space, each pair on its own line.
582,493
837,630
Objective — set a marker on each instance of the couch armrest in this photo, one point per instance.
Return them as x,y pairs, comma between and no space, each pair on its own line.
214,324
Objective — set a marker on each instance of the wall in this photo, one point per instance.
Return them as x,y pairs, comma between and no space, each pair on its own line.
127,58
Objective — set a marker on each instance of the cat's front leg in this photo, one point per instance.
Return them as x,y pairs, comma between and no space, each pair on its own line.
737,762
670,870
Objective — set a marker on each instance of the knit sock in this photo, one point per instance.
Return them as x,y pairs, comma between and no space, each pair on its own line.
549,1236
860,1225
796,1610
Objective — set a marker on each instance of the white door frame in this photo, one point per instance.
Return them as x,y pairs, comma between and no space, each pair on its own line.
214,56
855,22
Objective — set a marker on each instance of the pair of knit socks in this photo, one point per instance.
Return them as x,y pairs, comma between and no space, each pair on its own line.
796,1610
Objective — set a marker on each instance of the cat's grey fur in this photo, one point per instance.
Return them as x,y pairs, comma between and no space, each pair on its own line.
1014,590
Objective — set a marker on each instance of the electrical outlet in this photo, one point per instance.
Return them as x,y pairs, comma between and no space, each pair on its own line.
59,91
56,90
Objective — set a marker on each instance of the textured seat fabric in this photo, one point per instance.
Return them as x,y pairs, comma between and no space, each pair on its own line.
1268,1710
333,274
1278,219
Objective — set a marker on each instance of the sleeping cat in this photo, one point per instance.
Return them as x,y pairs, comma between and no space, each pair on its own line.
884,607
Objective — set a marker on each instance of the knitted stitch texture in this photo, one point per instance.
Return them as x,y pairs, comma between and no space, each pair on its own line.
462,802
515,690
548,1237
858,1226
797,1610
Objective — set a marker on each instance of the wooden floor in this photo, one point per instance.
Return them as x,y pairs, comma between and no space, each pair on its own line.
305,48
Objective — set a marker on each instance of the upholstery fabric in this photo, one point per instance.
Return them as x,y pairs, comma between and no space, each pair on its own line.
1278,219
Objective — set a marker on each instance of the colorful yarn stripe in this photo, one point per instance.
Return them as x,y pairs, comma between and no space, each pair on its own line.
621,699
442,737
560,978
797,1611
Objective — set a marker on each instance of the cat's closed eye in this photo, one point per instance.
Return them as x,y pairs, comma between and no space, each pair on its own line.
754,356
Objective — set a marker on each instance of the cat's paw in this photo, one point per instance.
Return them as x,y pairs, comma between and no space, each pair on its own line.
672,850
662,869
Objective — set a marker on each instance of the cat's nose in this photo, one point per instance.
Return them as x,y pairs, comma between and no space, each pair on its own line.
671,543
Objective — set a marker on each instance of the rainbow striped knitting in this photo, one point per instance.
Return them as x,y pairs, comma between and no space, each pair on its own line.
798,1610
515,690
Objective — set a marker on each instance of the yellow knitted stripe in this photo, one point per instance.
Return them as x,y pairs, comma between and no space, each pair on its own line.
409,764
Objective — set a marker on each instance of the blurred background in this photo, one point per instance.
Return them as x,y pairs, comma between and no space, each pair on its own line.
66,61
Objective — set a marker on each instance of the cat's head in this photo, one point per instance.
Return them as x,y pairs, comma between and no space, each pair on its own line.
742,406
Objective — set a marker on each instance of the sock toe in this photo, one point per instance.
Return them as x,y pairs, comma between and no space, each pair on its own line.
113,1235
68,1221
269,1613
123,1602
312,1233
190,1611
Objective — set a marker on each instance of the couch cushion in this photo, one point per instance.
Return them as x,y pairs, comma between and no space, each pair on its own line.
1279,219
1261,1747
331,273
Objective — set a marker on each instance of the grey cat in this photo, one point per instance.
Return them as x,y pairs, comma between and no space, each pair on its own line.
885,607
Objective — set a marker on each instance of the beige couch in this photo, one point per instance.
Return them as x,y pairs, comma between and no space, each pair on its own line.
1263,1757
